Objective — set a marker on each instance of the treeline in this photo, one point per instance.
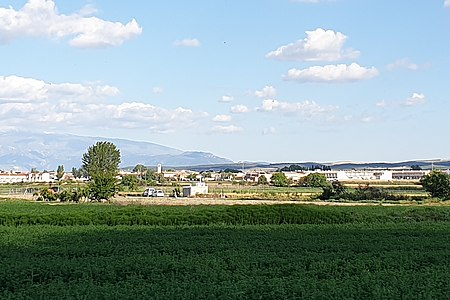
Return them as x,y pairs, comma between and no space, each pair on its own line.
294,168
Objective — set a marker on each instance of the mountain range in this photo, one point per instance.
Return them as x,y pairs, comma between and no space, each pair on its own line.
20,150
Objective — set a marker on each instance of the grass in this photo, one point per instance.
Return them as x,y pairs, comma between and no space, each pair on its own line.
14,213
234,252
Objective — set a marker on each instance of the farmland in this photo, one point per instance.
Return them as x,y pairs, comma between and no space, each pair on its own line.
101,251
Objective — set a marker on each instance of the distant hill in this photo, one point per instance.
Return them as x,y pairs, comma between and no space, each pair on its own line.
21,150
424,164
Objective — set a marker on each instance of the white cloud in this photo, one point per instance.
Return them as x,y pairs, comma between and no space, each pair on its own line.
305,108
226,99
26,102
88,10
239,109
332,73
222,118
157,90
447,3
381,104
266,92
40,18
403,63
20,89
227,129
187,43
415,99
319,45
269,131
73,114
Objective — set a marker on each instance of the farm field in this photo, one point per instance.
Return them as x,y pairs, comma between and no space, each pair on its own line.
216,252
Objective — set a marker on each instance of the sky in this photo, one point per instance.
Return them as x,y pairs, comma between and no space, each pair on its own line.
253,80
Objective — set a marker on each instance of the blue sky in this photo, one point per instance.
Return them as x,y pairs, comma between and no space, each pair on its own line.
256,80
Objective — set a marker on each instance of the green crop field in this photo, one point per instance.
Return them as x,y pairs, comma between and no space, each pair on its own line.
234,252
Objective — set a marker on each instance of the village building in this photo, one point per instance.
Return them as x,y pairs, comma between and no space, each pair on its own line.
200,188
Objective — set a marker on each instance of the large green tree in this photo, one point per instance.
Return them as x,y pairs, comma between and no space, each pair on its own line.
437,184
101,163
279,179
315,180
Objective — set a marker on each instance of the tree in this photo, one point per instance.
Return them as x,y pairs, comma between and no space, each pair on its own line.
315,180
437,184
78,173
335,190
279,179
262,180
101,163
150,177
60,172
140,169
130,181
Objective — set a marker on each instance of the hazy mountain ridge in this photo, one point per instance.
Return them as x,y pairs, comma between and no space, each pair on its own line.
424,164
25,150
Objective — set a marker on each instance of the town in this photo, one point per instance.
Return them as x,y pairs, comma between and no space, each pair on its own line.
247,175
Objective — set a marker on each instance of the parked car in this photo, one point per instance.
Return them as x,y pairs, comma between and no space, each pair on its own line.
158,193
148,192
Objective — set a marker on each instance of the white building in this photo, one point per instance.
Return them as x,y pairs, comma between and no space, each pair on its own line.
13,177
193,190
374,175
40,177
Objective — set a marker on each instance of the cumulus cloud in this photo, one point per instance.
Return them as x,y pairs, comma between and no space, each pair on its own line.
319,45
187,43
222,118
40,18
403,63
227,129
72,114
305,108
226,99
239,109
332,73
20,89
266,92
415,99
84,106
447,3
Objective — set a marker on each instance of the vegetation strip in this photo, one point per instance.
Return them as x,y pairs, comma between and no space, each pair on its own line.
332,261
103,251
27,213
